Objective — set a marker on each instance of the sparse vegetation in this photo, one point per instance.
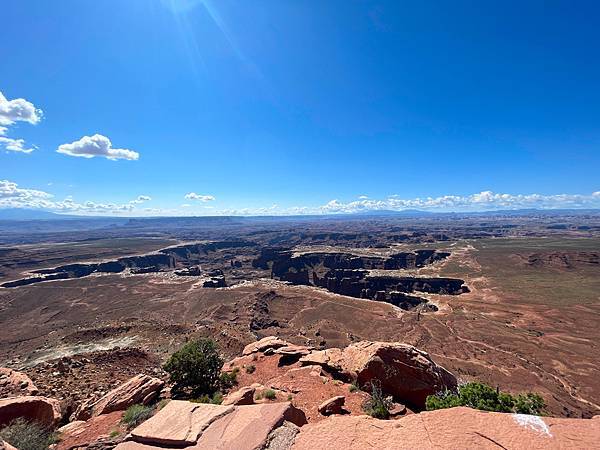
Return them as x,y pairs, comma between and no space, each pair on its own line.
27,435
195,369
250,368
113,434
354,387
228,379
215,399
161,404
378,405
136,414
269,394
484,397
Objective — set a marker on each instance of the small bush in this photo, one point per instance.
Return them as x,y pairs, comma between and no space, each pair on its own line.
270,394
113,434
27,435
137,414
353,387
194,370
215,399
484,397
251,368
228,379
205,398
377,405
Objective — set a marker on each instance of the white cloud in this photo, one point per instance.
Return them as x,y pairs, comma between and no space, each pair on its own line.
140,199
482,201
10,190
363,197
202,198
11,112
16,145
12,196
18,110
96,145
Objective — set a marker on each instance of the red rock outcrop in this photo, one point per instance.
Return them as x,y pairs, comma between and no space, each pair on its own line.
334,405
243,396
80,434
264,344
45,411
13,383
405,372
140,389
453,428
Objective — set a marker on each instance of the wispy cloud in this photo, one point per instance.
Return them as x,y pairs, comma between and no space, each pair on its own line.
482,201
200,197
13,196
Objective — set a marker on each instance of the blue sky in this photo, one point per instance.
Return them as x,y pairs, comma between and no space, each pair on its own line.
298,106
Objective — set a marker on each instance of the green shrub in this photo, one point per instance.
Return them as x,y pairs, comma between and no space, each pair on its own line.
137,414
215,399
251,368
484,397
194,370
353,387
27,435
377,405
205,398
270,394
228,379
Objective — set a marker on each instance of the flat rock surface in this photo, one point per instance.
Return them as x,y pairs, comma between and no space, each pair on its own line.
207,427
248,427
453,428
179,423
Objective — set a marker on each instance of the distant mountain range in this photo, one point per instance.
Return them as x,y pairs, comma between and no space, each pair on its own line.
22,214
29,214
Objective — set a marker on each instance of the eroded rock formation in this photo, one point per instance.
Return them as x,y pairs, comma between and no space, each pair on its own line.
187,257
349,274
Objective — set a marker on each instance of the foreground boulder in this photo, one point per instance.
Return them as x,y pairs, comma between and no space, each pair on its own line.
94,432
141,389
334,405
45,411
266,344
185,424
405,372
453,428
14,383
243,396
